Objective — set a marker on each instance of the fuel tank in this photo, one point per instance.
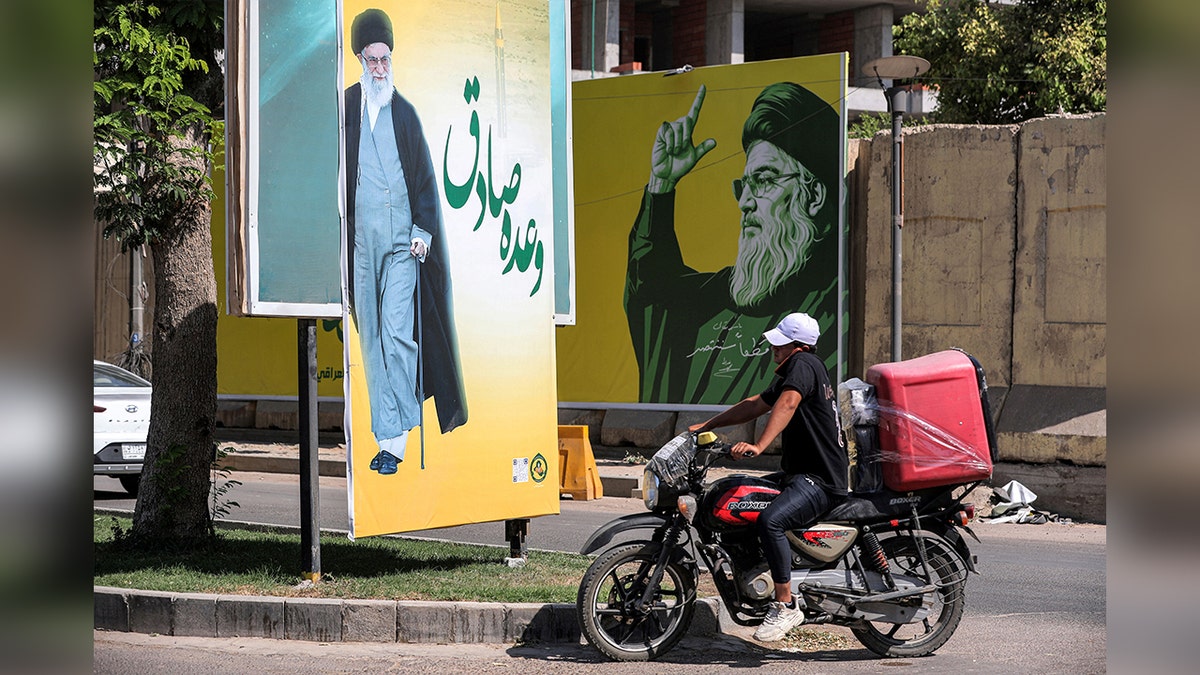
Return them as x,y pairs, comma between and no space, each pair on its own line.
735,501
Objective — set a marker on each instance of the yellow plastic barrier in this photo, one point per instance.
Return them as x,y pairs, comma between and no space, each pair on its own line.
576,464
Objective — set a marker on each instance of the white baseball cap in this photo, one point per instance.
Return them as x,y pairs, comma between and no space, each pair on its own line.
798,327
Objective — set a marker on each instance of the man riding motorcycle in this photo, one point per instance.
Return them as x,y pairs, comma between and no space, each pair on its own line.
814,463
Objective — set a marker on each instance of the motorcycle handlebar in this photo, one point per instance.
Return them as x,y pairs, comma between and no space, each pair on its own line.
716,448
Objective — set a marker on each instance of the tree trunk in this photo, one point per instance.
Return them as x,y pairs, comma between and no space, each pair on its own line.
172,506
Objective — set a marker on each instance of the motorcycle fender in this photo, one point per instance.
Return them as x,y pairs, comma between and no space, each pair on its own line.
956,540
634,521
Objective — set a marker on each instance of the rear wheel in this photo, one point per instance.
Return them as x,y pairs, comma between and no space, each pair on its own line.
131,482
944,607
610,610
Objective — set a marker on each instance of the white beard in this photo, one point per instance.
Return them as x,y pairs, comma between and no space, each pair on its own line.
378,92
772,254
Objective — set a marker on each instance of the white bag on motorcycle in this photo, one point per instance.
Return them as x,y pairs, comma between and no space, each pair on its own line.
857,404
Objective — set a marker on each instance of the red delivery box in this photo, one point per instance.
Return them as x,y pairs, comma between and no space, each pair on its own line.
934,421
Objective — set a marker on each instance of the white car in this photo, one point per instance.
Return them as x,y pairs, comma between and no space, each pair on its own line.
120,423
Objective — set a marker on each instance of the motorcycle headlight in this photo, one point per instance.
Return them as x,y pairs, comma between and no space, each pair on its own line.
650,489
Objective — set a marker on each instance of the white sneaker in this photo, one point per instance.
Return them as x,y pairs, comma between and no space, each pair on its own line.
781,618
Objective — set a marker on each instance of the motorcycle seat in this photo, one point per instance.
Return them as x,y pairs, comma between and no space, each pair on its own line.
873,507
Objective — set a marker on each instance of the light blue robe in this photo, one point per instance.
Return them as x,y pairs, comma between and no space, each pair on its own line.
385,275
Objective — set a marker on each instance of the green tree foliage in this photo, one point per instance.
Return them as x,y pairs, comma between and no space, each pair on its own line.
868,124
141,116
1001,63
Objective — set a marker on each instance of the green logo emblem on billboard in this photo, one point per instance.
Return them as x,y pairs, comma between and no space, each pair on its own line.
538,469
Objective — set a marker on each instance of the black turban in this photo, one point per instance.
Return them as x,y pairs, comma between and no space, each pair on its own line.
372,26
798,122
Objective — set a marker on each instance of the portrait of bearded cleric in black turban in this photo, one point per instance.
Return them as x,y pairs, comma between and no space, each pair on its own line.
401,299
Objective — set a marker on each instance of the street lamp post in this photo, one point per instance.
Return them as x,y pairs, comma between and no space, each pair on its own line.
893,68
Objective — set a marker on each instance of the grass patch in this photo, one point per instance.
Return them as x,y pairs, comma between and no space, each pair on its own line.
246,562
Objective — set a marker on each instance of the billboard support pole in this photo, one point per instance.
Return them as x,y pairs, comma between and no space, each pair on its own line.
310,531
515,531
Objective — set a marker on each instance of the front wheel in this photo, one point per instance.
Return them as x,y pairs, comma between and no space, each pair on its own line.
944,607
611,612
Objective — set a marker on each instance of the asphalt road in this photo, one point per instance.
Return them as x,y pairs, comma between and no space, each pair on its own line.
1038,605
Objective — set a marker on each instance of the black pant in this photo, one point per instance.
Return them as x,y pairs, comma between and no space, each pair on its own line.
799,504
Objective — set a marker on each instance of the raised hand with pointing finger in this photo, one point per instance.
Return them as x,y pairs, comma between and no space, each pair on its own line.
674,154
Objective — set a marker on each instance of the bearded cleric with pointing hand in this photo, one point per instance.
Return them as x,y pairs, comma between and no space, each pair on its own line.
698,335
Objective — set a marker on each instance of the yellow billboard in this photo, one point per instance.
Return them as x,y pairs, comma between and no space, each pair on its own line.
708,204
448,263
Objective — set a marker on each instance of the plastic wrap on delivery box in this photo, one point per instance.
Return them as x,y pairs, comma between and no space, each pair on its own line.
932,446
672,460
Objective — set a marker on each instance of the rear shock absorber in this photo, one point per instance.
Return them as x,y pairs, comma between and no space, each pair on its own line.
875,557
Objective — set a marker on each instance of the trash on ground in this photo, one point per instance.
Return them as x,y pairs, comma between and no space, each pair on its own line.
1012,505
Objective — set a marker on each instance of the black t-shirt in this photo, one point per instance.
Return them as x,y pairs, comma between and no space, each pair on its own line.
812,440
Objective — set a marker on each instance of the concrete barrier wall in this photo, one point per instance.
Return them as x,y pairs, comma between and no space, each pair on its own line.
1004,255
1003,246
1060,317
960,187
1056,411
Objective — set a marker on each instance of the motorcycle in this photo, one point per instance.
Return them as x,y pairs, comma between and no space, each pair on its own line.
890,565
889,561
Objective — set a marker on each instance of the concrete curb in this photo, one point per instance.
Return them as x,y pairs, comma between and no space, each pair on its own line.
347,620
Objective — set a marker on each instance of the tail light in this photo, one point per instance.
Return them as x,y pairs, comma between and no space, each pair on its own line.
964,516
98,408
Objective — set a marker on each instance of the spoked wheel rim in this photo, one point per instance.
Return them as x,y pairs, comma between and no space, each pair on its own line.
942,609
614,617
623,619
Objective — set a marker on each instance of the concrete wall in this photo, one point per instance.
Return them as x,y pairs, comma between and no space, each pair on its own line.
1061,260
1003,247
111,321
1004,255
1057,410
960,186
